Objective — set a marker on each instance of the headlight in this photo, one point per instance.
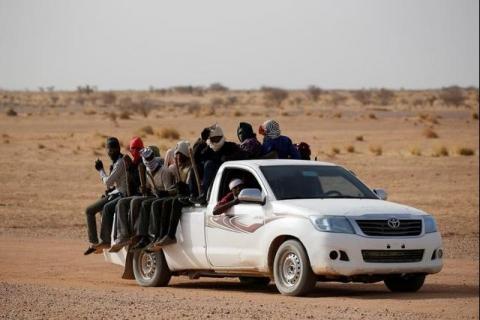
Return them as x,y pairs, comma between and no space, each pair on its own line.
332,224
430,224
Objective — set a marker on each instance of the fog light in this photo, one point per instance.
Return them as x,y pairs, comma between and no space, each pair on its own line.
439,253
333,255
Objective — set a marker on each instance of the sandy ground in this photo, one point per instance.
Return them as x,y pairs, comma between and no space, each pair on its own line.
47,179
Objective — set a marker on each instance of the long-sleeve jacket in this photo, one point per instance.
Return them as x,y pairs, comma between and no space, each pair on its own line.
160,180
117,177
282,145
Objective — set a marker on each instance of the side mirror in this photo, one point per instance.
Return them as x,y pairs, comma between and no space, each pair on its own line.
250,195
382,194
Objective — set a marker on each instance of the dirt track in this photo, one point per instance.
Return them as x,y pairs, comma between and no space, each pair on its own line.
66,284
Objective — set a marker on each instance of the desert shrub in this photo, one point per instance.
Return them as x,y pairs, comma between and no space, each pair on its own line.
337,99
11,113
385,96
125,115
147,130
453,96
54,99
193,107
337,115
430,133
238,113
335,150
112,116
376,150
463,151
372,116
285,114
216,102
274,96
440,152
89,112
359,138
217,87
350,149
108,98
415,151
314,92
231,100
169,133
87,89
198,91
475,116
363,96
41,146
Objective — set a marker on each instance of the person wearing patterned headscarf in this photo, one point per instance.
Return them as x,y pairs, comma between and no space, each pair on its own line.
274,143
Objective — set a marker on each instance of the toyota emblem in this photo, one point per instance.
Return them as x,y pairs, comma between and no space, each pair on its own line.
393,223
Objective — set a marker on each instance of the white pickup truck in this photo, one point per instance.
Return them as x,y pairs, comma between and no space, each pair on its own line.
297,222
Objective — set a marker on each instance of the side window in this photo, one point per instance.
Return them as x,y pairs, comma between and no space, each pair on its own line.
233,173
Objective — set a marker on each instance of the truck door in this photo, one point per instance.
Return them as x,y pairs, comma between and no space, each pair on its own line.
233,237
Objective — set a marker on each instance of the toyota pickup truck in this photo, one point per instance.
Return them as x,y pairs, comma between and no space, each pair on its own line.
296,222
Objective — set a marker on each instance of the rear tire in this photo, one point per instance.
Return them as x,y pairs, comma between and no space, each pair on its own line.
406,283
255,281
151,269
292,271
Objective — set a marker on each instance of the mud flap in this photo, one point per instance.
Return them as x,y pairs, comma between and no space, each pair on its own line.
128,270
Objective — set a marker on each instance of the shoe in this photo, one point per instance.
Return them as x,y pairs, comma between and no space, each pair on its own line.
154,247
102,245
91,249
118,245
141,244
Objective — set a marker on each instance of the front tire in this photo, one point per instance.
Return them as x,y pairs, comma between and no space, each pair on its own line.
151,269
405,283
292,271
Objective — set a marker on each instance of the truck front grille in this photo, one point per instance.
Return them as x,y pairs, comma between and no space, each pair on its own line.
381,228
392,256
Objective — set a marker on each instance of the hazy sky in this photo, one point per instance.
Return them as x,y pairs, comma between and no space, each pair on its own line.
118,44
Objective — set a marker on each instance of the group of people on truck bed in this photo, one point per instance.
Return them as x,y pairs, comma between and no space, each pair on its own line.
146,193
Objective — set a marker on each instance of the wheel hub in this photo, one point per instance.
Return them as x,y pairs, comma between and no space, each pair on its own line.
148,265
291,269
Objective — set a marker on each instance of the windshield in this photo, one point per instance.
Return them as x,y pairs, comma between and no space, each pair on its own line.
314,182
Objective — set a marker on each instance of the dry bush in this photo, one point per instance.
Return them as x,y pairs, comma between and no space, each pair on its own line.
198,91
255,114
337,115
285,114
41,146
430,133
475,116
87,89
359,138
274,96
217,87
363,96
314,93
112,116
372,116
440,152
169,133
415,151
216,102
231,100
238,113
337,99
208,111
335,150
463,151
453,96
428,117
350,149
108,98
11,113
89,112
385,96
125,115
376,150
147,130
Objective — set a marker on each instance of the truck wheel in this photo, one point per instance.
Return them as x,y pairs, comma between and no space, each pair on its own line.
291,269
151,269
406,283
255,281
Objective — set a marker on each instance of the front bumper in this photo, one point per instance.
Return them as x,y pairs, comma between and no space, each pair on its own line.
320,244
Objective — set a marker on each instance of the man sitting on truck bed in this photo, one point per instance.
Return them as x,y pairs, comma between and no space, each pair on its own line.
274,142
231,198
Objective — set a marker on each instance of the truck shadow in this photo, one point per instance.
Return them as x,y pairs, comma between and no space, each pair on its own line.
356,291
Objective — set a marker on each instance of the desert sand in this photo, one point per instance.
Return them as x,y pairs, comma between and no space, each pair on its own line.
413,144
